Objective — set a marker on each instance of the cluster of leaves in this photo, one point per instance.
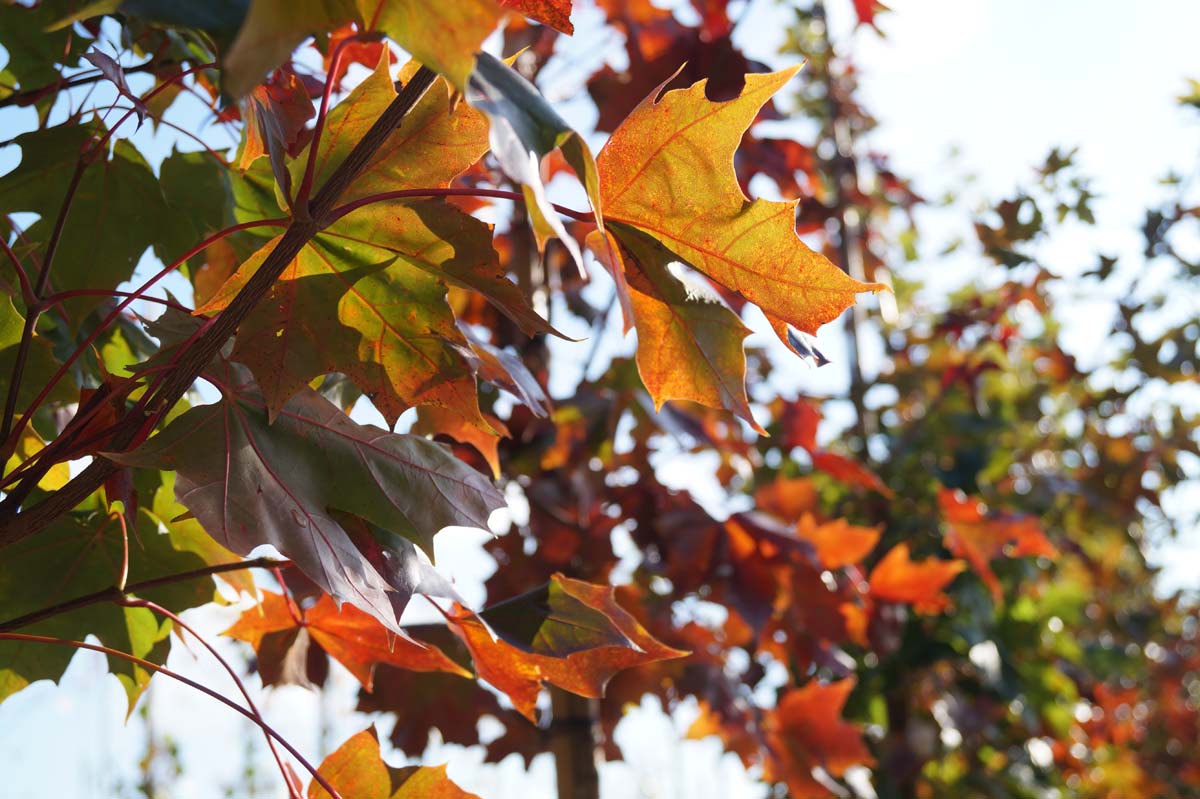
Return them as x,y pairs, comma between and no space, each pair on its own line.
955,596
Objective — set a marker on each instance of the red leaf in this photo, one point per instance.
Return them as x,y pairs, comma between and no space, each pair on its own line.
555,13
850,471
581,659
979,537
806,730
838,543
349,636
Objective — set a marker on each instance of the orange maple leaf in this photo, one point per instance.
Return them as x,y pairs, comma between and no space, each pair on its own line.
979,537
898,578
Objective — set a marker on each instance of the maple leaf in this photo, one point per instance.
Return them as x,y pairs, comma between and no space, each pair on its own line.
568,633
122,185
866,11
667,172
270,32
433,421
367,297
275,115
297,483
349,636
849,471
898,578
838,543
82,553
979,537
806,730
555,13
689,340
524,131
789,498
444,37
356,769
364,299
424,701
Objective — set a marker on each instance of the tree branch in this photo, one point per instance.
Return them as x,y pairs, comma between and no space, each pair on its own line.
18,526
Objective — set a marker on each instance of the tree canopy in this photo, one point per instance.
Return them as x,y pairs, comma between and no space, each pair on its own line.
309,220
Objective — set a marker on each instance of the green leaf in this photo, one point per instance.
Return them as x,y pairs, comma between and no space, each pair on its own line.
550,621
444,36
363,299
40,364
271,31
78,555
249,482
118,208
198,195
34,55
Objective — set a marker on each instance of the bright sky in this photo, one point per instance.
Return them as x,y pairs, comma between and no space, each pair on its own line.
1004,80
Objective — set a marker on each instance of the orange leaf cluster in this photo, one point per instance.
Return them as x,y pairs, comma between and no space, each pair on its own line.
979,537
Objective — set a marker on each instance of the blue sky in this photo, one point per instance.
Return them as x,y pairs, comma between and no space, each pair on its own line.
1001,80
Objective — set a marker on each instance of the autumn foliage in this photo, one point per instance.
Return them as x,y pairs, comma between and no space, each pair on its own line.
334,316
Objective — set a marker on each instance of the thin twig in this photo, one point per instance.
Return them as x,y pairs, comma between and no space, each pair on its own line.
113,593
9,445
515,196
305,189
233,675
146,664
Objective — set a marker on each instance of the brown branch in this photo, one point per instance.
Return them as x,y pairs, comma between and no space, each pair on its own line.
18,526
115,594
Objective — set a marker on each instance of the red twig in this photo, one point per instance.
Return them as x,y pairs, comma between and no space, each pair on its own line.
145,603
110,594
302,193
10,442
62,296
22,275
516,196
123,577
90,151
116,653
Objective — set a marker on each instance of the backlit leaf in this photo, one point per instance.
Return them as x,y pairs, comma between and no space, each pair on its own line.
349,636
122,186
524,130
80,554
806,730
838,543
668,171
977,536
269,33
898,578
251,483
689,341
444,37
571,634
555,13
357,771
